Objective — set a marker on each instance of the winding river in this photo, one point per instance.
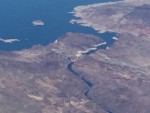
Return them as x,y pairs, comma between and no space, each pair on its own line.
86,81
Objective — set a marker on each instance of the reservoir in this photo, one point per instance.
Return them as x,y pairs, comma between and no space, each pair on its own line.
50,16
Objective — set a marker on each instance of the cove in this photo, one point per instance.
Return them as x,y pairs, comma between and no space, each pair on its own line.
16,22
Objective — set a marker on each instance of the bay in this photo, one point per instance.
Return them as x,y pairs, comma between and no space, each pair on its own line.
16,17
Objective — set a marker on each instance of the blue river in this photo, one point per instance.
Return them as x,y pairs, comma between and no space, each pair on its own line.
16,18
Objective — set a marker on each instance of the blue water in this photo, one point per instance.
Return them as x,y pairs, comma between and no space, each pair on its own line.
16,18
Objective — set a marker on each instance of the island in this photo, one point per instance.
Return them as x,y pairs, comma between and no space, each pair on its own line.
38,23
9,40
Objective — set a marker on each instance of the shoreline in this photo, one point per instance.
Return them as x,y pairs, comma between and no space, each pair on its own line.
83,19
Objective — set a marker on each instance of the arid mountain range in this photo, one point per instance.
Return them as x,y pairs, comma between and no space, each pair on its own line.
75,74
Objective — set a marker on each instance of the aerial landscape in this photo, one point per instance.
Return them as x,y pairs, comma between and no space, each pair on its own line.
89,56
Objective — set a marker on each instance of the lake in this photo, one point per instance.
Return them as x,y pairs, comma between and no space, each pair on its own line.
16,17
